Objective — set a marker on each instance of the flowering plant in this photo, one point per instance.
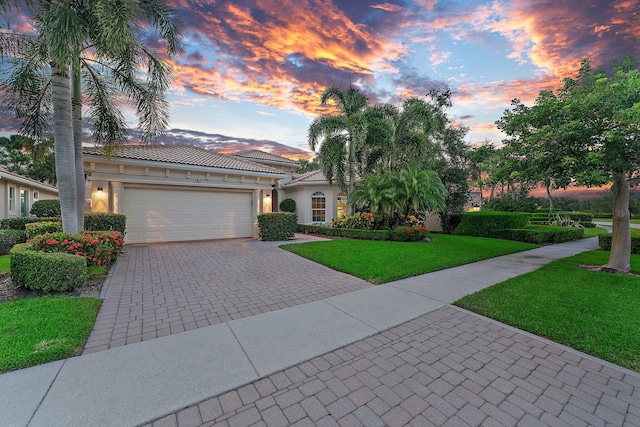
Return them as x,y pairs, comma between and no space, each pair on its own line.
409,234
99,248
360,221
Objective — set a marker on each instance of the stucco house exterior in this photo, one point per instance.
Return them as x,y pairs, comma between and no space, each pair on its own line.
179,192
18,193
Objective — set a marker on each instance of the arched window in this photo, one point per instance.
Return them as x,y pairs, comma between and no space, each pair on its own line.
341,205
318,207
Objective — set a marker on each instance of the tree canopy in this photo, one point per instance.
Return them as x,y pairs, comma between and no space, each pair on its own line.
587,132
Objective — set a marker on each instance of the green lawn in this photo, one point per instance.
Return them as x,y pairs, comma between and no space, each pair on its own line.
40,330
592,232
591,311
5,262
385,261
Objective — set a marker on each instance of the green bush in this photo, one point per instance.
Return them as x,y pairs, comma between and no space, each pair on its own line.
409,234
482,223
44,271
350,233
275,226
288,205
20,223
37,228
101,221
359,221
577,216
10,238
540,234
46,208
99,248
450,221
604,241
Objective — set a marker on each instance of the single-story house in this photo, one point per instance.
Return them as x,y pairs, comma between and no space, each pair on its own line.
179,192
18,193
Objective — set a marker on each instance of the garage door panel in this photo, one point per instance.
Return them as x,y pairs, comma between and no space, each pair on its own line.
159,215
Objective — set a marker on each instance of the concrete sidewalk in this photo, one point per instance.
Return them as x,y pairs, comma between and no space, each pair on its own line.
143,382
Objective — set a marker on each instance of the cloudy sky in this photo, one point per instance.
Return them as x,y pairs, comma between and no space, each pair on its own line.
256,68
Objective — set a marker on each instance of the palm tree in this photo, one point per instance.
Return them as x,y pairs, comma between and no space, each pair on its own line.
341,133
95,45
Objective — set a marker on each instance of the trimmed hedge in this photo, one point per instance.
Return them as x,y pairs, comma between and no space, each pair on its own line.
101,221
46,272
37,228
604,241
483,223
540,234
46,208
409,234
96,247
350,233
20,223
10,238
288,205
275,226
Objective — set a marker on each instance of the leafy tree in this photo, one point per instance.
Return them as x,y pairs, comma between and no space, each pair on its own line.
92,49
595,132
308,165
341,133
22,155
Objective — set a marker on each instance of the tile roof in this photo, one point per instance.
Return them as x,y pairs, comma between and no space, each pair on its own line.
4,171
184,155
262,155
310,177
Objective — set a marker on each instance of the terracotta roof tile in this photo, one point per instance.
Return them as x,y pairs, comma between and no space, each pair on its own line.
185,155
262,155
314,176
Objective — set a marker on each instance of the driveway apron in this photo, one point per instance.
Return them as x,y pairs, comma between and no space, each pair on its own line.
162,289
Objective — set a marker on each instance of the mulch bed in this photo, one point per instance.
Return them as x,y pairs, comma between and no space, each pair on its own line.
10,293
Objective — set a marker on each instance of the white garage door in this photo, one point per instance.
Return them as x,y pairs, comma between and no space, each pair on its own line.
166,215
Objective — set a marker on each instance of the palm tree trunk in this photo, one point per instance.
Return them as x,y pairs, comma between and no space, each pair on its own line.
620,257
64,149
77,143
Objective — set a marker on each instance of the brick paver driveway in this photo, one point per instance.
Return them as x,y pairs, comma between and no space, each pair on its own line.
166,288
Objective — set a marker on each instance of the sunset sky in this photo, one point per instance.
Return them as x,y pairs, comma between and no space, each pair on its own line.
256,68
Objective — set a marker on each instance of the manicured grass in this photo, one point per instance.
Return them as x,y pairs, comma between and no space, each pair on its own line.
592,232
384,261
40,330
5,263
591,311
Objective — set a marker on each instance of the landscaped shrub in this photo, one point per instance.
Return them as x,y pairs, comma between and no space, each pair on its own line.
409,234
37,228
46,208
359,221
275,226
288,205
99,248
45,271
604,241
101,221
484,222
19,223
350,233
540,234
10,238
450,221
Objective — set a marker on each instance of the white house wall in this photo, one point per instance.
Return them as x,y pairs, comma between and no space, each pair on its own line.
302,196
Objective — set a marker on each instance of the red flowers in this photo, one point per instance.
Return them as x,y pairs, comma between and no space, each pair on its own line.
410,234
97,247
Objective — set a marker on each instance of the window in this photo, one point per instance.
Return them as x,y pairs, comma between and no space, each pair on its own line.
24,203
342,204
12,199
35,195
318,207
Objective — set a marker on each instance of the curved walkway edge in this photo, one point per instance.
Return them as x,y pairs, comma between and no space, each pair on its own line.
143,382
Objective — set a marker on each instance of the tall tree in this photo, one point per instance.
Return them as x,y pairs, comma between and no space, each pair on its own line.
338,136
91,49
596,134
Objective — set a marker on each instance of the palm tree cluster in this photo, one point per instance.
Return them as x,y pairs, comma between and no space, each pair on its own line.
93,51
401,154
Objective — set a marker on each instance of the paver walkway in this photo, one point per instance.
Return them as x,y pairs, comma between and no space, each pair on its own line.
166,288
445,368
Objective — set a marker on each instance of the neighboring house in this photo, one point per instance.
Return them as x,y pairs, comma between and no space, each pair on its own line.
173,193
18,193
